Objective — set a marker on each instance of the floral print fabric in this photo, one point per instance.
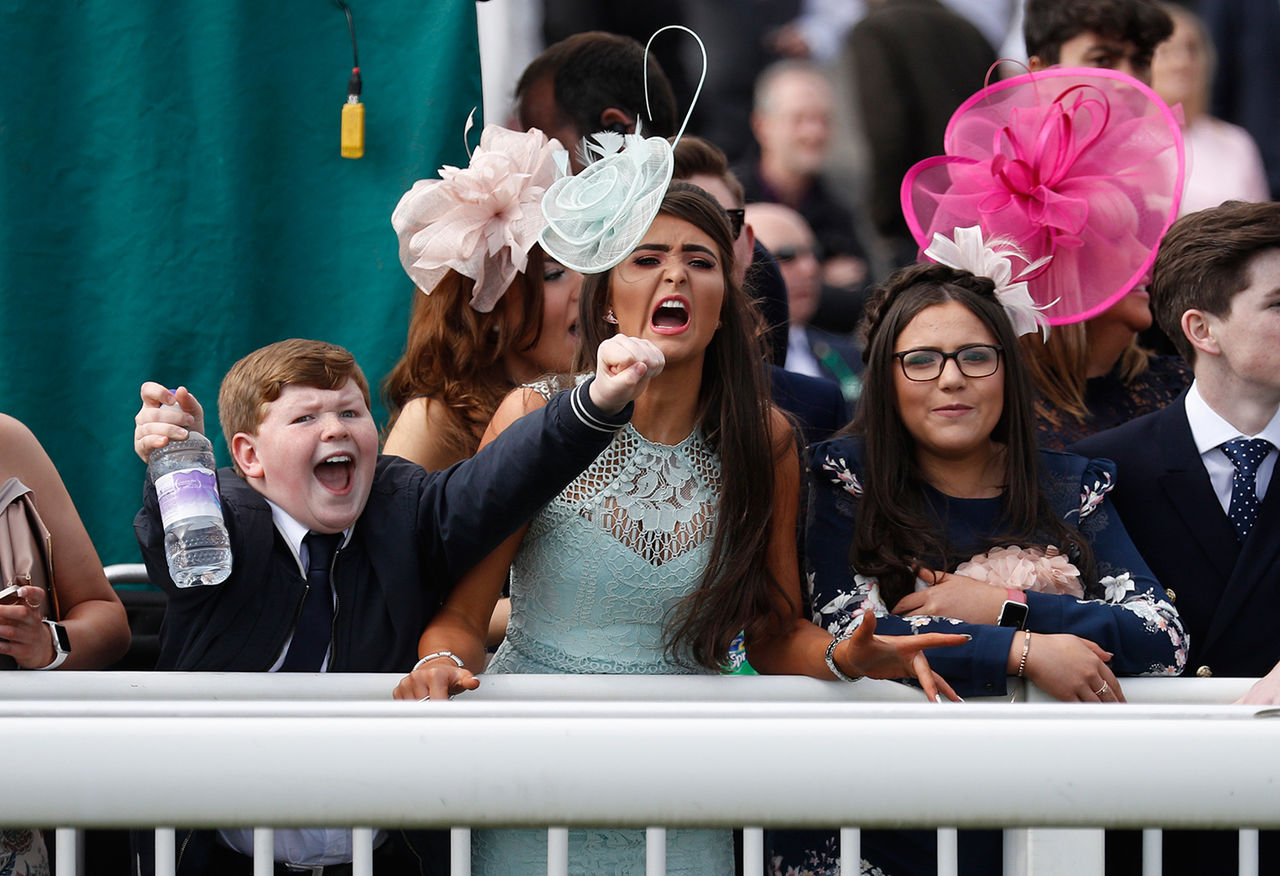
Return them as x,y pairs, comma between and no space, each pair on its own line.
22,853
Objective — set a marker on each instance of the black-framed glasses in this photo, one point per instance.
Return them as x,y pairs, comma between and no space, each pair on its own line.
737,216
973,360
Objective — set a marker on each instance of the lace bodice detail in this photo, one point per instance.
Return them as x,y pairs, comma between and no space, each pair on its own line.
657,501
605,561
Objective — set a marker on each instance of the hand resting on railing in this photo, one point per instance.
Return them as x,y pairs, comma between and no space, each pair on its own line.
1068,668
1265,691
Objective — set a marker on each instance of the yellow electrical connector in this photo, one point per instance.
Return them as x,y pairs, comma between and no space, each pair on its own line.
353,127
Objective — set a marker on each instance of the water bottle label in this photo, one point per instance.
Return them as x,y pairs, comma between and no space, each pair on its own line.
191,492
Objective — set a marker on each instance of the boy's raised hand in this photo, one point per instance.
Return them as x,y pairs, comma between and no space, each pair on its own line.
624,367
156,425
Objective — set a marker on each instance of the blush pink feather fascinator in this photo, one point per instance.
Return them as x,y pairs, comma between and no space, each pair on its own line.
1081,169
480,220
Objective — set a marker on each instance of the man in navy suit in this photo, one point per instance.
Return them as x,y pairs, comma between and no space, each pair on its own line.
1195,483
810,350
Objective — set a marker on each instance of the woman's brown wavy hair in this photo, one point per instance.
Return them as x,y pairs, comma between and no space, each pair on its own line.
453,353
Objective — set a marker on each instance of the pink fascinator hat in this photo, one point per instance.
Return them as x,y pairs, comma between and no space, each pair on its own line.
480,220
1081,169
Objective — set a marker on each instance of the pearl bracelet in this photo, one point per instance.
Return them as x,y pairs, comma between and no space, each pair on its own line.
831,661
432,656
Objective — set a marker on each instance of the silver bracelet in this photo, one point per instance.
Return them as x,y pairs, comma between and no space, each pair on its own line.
432,656
831,661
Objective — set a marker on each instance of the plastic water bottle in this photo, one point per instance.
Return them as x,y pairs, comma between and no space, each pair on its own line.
196,545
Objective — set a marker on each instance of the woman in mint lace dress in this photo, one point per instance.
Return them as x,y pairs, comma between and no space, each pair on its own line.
627,571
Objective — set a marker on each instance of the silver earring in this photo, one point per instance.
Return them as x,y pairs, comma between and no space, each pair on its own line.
609,317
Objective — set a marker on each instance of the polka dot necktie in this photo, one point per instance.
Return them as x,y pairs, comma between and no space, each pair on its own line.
1246,454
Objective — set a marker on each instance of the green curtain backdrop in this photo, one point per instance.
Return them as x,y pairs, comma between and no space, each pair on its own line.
173,197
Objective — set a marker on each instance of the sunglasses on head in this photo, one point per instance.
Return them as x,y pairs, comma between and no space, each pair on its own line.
736,217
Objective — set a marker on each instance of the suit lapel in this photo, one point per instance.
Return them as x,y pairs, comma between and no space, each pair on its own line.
1189,492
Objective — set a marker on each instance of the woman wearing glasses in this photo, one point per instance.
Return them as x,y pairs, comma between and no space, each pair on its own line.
940,465
939,468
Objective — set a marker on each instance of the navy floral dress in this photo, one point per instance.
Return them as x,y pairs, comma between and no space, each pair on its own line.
22,853
1131,617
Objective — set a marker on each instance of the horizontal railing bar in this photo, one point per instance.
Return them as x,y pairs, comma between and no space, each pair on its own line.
452,764
610,688
471,709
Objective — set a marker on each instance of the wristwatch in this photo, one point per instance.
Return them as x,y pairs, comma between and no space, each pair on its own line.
61,645
1014,611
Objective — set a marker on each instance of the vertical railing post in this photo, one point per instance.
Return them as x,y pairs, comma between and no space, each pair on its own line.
1152,852
753,850
264,851
1248,853
655,851
460,851
948,852
165,863
557,851
850,851
1054,851
68,845
362,851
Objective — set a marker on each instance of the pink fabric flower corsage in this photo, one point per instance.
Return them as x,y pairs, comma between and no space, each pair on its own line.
480,220
1045,571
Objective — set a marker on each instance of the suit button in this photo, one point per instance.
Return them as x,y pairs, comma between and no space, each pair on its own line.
1204,672
1173,597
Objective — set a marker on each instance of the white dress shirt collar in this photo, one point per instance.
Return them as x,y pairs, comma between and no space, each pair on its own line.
294,532
1209,431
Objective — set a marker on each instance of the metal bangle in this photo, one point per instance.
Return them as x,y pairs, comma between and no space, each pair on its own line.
432,656
1026,646
831,661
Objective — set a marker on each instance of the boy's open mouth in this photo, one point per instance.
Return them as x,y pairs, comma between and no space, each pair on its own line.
671,316
334,473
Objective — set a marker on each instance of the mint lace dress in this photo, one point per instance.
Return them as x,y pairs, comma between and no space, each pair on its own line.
598,570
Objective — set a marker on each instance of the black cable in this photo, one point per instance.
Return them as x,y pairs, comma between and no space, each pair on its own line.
351,25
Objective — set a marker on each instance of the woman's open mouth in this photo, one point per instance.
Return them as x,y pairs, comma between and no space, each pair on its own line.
671,317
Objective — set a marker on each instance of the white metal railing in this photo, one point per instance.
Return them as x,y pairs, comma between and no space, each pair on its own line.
555,750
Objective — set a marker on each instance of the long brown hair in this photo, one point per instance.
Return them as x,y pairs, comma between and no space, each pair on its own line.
737,592
1059,367
453,353
895,529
